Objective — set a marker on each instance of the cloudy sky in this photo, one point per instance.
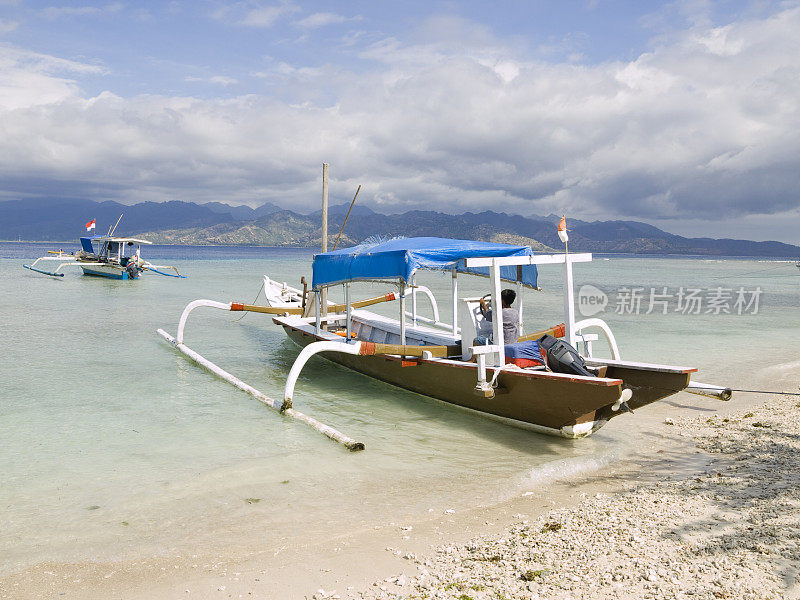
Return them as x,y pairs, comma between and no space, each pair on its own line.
683,114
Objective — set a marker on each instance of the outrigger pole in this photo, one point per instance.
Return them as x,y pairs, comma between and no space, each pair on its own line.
285,408
44,272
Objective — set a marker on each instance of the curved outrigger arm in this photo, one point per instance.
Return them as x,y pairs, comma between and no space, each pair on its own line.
284,408
69,263
270,310
156,269
364,349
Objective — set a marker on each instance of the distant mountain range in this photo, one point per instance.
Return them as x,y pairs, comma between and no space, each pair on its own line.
217,223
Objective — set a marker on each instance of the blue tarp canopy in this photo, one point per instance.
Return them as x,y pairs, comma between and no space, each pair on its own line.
398,259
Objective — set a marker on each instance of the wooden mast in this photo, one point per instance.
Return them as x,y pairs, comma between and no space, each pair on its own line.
322,307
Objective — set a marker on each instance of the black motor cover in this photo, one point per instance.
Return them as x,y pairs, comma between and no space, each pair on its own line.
563,358
133,271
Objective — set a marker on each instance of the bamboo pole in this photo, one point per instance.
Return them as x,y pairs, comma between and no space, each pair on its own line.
296,310
323,304
555,331
285,408
111,231
369,349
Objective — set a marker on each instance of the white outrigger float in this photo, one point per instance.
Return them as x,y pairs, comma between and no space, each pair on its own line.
115,258
437,359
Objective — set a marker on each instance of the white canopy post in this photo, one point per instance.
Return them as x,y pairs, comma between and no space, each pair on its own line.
519,299
349,310
414,299
569,301
402,314
455,303
317,312
497,315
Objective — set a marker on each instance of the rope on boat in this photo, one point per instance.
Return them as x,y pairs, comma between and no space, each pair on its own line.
761,270
766,392
253,302
284,408
346,217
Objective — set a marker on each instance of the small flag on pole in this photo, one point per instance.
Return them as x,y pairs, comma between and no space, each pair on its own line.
562,229
90,225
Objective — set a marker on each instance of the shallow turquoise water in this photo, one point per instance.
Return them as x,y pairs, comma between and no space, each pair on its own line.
114,445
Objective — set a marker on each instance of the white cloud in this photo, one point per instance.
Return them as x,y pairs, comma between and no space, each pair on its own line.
7,26
266,16
56,12
32,79
321,19
216,80
699,127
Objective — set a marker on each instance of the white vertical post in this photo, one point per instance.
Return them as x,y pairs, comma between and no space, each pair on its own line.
519,301
481,359
402,313
414,299
349,309
455,303
569,302
497,316
317,312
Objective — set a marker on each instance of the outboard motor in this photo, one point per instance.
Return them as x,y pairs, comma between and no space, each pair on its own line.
132,269
563,358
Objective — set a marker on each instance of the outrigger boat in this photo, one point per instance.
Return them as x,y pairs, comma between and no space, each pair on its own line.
115,258
441,360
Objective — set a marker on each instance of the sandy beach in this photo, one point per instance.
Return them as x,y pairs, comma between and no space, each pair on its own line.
715,514
730,531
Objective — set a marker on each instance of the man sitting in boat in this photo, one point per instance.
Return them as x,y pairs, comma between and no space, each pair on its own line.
509,315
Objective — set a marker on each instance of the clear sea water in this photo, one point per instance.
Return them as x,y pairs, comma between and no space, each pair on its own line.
114,446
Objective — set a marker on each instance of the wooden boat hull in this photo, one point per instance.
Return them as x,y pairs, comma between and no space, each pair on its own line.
550,403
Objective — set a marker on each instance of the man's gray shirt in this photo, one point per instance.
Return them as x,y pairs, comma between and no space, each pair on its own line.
510,324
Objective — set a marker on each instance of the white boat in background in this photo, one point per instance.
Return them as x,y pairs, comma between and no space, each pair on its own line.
114,258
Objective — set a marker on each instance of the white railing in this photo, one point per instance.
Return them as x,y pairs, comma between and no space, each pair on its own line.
603,326
431,298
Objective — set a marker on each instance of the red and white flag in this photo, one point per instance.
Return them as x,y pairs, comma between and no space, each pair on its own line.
562,229
90,225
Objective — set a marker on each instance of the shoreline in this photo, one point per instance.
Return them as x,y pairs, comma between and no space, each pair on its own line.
743,257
